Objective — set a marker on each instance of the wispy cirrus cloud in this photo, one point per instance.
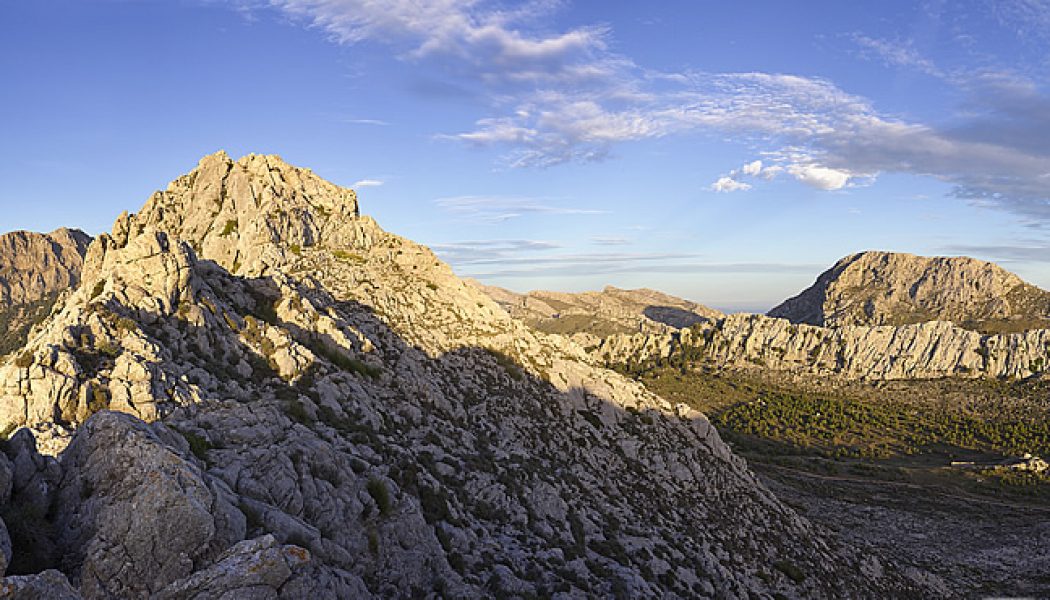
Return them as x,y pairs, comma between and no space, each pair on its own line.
503,208
562,96
489,251
524,258
1032,252
378,122
367,183
898,53
610,240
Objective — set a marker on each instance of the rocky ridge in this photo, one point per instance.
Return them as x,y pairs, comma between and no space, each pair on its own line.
589,316
34,269
888,288
307,405
920,351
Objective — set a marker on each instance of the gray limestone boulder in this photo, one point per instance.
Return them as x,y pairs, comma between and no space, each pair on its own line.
48,585
121,475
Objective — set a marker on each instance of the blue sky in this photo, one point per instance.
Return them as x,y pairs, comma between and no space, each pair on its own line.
725,152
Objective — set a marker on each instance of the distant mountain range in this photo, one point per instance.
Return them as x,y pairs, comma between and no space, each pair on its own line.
888,288
248,389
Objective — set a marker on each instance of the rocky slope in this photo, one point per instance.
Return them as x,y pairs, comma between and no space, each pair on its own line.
920,351
887,288
589,316
34,269
313,407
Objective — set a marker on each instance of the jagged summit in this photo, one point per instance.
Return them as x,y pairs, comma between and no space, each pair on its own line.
891,288
246,214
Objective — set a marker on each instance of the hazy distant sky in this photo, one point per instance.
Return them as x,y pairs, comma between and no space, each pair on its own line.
723,151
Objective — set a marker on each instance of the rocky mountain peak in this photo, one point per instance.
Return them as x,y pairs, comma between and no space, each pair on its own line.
246,214
34,269
33,265
892,288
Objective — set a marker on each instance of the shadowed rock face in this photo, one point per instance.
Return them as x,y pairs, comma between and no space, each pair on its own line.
352,420
886,288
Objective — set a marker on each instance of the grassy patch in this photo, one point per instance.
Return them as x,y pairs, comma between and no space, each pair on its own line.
348,257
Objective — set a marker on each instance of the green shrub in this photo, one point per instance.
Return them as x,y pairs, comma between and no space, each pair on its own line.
231,226
349,257
789,569
199,446
126,325
24,360
297,412
377,489
108,349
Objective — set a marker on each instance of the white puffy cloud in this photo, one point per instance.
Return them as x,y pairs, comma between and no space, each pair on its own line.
822,178
728,184
752,168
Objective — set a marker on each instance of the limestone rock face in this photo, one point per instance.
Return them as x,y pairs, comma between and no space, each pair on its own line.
353,420
920,351
887,288
47,585
35,265
251,212
34,269
119,477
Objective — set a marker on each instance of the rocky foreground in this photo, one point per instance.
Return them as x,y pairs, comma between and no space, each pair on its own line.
255,392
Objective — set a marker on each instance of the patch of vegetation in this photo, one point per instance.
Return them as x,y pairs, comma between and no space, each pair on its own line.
509,364
346,363
295,249
265,309
17,321
126,325
788,568
377,489
230,227
899,431
574,323
199,446
348,257
297,412
24,360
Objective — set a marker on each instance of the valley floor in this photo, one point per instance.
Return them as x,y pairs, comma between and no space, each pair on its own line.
873,463
977,546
